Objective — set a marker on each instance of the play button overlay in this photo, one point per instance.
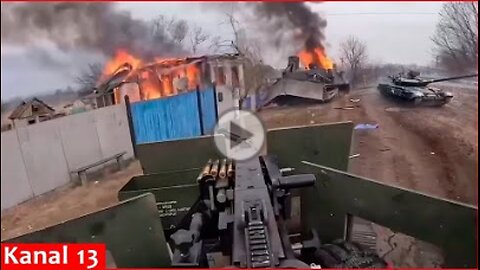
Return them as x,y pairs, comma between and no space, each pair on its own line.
239,135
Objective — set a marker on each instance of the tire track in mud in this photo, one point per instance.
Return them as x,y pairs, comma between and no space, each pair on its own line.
400,151
393,165
437,145
451,132
454,154
432,150
429,137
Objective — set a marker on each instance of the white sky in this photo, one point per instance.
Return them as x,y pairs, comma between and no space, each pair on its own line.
395,32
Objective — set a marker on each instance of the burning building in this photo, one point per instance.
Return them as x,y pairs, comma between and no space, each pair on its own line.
126,74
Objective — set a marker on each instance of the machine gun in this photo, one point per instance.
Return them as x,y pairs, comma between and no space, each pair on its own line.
240,219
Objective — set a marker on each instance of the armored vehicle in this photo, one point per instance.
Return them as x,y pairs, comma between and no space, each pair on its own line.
412,88
312,84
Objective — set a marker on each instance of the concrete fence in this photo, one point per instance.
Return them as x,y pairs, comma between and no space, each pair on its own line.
38,158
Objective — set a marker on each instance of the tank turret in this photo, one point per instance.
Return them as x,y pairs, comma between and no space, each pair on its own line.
411,87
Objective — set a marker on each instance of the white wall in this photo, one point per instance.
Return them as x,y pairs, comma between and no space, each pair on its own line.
37,158
230,99
15,184
113,131
43,156
77,128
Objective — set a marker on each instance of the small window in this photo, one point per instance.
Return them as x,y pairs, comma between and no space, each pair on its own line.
31,122
35,109
220,97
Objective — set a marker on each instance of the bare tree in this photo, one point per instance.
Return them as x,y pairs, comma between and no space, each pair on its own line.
254,70
189,36
88,79
159,27
216,43
456,36
354,56
197,37
241,43
178,31
220,44
163,26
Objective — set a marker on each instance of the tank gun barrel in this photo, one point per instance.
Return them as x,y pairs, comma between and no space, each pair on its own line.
451,78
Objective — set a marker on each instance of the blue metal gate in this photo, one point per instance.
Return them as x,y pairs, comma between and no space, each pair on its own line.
185,115
208,110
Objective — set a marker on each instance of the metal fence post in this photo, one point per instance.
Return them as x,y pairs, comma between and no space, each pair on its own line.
215,100
130,125
199,103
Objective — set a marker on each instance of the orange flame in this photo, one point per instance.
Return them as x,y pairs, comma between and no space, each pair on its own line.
193,75
121,57
317,57
149,85
167,85
152,84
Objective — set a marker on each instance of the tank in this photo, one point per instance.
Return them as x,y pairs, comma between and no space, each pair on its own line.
412,88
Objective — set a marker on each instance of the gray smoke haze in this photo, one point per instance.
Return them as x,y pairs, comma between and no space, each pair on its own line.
95,27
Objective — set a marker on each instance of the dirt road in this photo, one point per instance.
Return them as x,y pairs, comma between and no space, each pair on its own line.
429,149
432,150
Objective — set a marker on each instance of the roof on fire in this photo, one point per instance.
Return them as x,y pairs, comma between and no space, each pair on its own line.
117,78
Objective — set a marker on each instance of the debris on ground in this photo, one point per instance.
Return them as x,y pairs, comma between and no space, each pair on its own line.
346,107
354,100
366,126
393,109
354,156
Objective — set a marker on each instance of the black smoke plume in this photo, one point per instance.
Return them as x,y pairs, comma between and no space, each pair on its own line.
297,18
96,27
280,28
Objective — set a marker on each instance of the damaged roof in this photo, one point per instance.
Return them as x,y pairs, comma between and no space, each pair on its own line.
123,72
20,109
